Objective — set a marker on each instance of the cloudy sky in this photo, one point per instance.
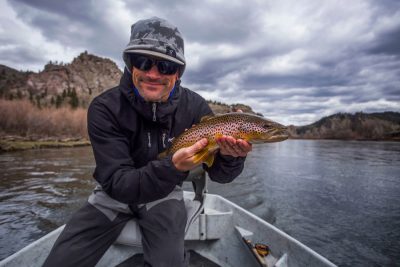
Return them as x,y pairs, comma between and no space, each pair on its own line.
293,61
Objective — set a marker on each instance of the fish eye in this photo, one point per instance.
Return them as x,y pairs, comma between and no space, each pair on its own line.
267,126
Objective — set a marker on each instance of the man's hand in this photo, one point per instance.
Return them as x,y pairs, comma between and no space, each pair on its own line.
183,158
233,147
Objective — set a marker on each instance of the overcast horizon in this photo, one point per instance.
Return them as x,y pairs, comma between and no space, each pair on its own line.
293,61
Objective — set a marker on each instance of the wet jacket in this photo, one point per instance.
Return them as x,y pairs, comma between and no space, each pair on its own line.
128,133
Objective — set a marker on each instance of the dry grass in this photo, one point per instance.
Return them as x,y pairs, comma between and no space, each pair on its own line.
22,118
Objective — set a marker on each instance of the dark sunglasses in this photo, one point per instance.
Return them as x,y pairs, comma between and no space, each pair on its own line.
146,63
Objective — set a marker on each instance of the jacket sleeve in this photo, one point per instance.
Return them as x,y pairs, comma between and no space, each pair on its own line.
115,169
225,168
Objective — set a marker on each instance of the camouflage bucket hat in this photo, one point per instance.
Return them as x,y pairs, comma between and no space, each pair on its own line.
155,37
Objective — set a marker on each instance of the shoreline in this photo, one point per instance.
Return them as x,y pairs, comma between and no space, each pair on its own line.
18,145
8,144
348,139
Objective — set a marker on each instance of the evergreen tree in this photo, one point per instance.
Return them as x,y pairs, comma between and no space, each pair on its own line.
30,96
74,101
59,101
38,101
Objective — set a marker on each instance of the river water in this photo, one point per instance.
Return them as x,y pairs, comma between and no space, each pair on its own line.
341,198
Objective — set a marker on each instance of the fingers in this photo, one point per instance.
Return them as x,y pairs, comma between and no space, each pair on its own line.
233,147
196,147
227,145
245,147
183,159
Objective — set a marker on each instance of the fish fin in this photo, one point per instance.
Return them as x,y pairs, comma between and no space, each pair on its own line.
201,156
210,160
218,135
205,155
162,154
207,117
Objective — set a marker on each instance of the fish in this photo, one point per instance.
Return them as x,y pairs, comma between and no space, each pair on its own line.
252,128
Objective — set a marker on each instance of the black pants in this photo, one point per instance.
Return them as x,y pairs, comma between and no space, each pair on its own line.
89,234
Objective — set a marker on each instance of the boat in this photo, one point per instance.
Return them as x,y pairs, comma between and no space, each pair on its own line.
218,230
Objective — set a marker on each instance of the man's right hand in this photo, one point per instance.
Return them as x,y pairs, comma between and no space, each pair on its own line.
184,157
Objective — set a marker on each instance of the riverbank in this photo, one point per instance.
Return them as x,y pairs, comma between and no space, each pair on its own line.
8,145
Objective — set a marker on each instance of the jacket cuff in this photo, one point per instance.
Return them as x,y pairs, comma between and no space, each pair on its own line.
230,159
170,172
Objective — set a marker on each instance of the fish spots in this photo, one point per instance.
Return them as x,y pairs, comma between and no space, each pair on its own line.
238,125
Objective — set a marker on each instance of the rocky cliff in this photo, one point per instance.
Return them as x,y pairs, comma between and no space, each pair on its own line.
73,84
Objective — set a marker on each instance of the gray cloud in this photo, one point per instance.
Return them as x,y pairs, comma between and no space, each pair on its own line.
388,43
73,23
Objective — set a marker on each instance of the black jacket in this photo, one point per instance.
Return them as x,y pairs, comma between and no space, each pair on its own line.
128,133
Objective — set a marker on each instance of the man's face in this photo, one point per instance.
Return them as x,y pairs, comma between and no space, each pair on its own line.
152,85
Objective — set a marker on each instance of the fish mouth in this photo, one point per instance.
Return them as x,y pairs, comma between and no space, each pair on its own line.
277,138
279,134
276,135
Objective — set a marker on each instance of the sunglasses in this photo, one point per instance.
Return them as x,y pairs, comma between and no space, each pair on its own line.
146,63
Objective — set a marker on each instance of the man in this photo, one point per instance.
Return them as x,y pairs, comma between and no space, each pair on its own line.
129,125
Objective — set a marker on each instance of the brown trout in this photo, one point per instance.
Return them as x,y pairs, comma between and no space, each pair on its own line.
251,128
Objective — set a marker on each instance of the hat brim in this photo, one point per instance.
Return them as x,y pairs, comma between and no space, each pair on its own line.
155,54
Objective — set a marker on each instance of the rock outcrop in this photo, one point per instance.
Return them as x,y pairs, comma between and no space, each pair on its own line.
59,84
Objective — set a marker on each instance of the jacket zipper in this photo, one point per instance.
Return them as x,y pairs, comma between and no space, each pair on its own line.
163,140
154,111
149,137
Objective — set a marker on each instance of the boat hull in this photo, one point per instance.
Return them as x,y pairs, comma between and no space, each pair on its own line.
216,234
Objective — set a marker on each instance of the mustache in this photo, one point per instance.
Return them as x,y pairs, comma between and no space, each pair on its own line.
147,79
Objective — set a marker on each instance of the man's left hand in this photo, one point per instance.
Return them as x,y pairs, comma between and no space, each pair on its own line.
230,146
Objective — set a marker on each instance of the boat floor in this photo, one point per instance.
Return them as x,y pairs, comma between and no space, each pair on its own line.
196,260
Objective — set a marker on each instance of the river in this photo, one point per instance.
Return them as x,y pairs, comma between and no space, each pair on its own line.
341,198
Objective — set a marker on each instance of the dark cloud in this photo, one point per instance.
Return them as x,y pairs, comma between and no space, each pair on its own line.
20,55
74,10
387,43
290,81
73,23
218,22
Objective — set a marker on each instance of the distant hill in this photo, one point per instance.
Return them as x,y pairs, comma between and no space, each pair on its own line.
358,126
73,84
220,108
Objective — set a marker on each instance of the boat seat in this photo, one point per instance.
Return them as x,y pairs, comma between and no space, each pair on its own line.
211,224
202,223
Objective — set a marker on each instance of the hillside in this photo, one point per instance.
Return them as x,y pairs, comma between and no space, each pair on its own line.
359,126
73,84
